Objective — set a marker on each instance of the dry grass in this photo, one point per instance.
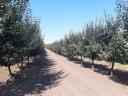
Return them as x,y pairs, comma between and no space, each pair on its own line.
117,65
4,74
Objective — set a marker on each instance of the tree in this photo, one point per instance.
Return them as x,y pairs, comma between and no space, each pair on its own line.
116,50
122,18
80,46
92,47
104,39
19,36
9,34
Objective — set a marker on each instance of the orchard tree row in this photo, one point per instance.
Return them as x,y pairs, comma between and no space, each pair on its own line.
20,34
104,39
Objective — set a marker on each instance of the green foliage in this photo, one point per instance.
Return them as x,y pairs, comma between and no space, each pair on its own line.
19,33
105,39
116,50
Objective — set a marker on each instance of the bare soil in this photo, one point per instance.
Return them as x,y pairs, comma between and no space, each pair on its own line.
55,75
82,81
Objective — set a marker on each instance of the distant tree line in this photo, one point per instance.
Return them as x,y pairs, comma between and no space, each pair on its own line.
104,39
20,34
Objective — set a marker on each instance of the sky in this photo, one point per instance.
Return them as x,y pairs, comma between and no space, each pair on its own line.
59,17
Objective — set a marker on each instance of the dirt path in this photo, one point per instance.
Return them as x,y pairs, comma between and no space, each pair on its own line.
81,81
54,75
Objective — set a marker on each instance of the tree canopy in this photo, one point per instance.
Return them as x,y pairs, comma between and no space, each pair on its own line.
20,34
105,39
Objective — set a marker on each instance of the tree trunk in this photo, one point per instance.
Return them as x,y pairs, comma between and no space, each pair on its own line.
22,62
92,65
81,60
28,59
111,70
9,69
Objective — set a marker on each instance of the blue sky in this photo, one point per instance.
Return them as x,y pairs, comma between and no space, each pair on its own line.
59,17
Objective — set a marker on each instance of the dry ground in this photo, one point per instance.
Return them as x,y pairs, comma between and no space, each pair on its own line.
55,75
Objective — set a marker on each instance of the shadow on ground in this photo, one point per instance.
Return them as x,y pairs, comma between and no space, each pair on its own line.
34,78
119,76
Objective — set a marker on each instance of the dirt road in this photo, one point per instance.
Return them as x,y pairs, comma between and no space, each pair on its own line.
54,75
81,81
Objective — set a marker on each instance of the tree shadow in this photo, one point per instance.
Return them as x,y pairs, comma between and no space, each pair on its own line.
33,78
118,76
102,69
74,60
